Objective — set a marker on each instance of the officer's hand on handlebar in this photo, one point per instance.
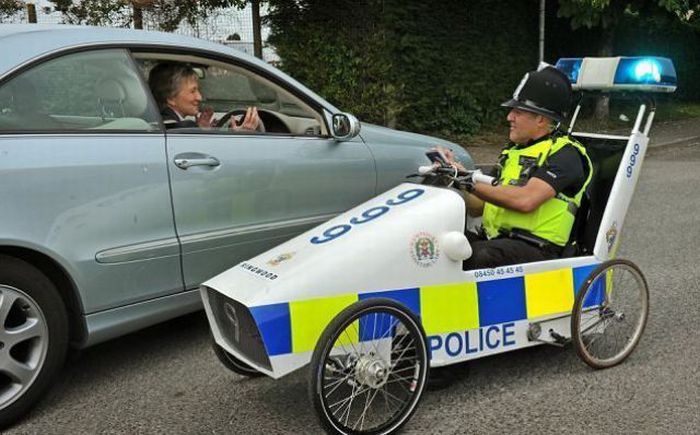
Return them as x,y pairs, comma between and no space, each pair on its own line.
467,182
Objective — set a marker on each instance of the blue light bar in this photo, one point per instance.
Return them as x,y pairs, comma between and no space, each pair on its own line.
571,67
645,70
631,74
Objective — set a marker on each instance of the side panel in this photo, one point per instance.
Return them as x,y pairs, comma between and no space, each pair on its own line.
484,313
265,190
99,205
109,324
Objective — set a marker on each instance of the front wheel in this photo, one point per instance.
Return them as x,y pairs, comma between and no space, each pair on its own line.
610,313
369,368
33,336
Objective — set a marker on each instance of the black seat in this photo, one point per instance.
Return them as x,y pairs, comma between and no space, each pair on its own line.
605,155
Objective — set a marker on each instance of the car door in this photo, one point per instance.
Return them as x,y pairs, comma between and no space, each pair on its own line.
236,194
84,177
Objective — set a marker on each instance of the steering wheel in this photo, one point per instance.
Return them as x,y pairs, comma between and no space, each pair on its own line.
269,122
224,121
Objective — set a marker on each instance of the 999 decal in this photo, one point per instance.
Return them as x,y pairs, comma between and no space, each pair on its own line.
368,215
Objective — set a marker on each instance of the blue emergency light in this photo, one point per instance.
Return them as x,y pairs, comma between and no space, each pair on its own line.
570,67
645,70
645,74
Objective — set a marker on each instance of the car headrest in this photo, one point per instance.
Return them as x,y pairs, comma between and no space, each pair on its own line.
110,90
128,92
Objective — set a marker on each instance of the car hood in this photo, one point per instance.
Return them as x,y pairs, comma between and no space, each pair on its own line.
375,134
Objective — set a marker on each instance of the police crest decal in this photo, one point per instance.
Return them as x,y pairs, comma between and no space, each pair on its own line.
611,235
424,249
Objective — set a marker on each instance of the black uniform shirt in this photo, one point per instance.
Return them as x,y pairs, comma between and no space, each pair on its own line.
566,171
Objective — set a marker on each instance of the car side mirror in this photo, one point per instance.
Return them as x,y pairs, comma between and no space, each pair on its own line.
345,126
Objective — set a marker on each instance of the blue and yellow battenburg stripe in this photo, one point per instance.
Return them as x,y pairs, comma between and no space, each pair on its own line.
293,327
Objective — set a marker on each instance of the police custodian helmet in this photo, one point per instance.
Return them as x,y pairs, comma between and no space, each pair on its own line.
546,92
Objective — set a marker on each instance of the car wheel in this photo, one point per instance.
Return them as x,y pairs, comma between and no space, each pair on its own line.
33,337
234,364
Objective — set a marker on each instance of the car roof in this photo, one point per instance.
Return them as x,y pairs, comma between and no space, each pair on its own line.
25,43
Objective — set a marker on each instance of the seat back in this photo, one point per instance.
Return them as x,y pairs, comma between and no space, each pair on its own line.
110,98
605,155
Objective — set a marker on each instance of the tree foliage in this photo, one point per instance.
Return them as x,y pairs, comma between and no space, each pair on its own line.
9,7
607,13
169,13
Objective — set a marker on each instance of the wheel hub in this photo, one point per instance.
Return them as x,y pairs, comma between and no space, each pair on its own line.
372,371
23,324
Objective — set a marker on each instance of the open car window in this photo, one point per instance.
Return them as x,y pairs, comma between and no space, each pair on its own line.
227,87
94,90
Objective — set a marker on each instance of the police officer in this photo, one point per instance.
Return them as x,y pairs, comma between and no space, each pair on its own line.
543,175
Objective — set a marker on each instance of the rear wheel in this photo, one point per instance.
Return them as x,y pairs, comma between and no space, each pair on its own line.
33,336
610,313
369,368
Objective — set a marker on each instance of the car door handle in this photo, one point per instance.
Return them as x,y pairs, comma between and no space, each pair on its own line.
184,163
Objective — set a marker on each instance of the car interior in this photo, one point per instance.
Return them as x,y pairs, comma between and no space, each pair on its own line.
229,90
87,90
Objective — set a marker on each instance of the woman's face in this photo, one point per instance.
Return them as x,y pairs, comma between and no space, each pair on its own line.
186,100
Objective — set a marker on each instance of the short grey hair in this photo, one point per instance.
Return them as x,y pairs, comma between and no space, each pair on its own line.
165,80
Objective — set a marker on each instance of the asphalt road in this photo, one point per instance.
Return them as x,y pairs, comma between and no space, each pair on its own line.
166,379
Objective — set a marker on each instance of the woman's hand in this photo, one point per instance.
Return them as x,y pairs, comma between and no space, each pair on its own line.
250,121
205,118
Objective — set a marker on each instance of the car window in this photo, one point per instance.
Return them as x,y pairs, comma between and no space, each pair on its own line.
97,90
227,88
230,88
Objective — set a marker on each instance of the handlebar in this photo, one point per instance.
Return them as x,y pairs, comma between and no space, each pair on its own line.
480,177
476,175
425,170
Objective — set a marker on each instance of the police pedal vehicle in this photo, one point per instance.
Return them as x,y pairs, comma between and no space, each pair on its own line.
374,297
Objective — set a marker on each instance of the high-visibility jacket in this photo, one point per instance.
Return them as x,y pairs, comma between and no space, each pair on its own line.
554,218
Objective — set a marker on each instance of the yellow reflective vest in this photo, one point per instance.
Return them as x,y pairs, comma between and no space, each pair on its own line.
554,218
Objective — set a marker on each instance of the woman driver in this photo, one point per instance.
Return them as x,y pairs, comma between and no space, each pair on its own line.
175,87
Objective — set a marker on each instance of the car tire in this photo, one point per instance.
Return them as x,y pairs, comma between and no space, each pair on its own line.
33,337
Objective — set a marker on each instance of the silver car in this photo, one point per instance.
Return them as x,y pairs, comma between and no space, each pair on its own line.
109,223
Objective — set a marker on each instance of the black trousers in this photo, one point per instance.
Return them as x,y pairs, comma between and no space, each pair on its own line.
503,251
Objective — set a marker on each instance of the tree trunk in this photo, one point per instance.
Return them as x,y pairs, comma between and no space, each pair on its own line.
31,13
257,39
602,107
138,17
